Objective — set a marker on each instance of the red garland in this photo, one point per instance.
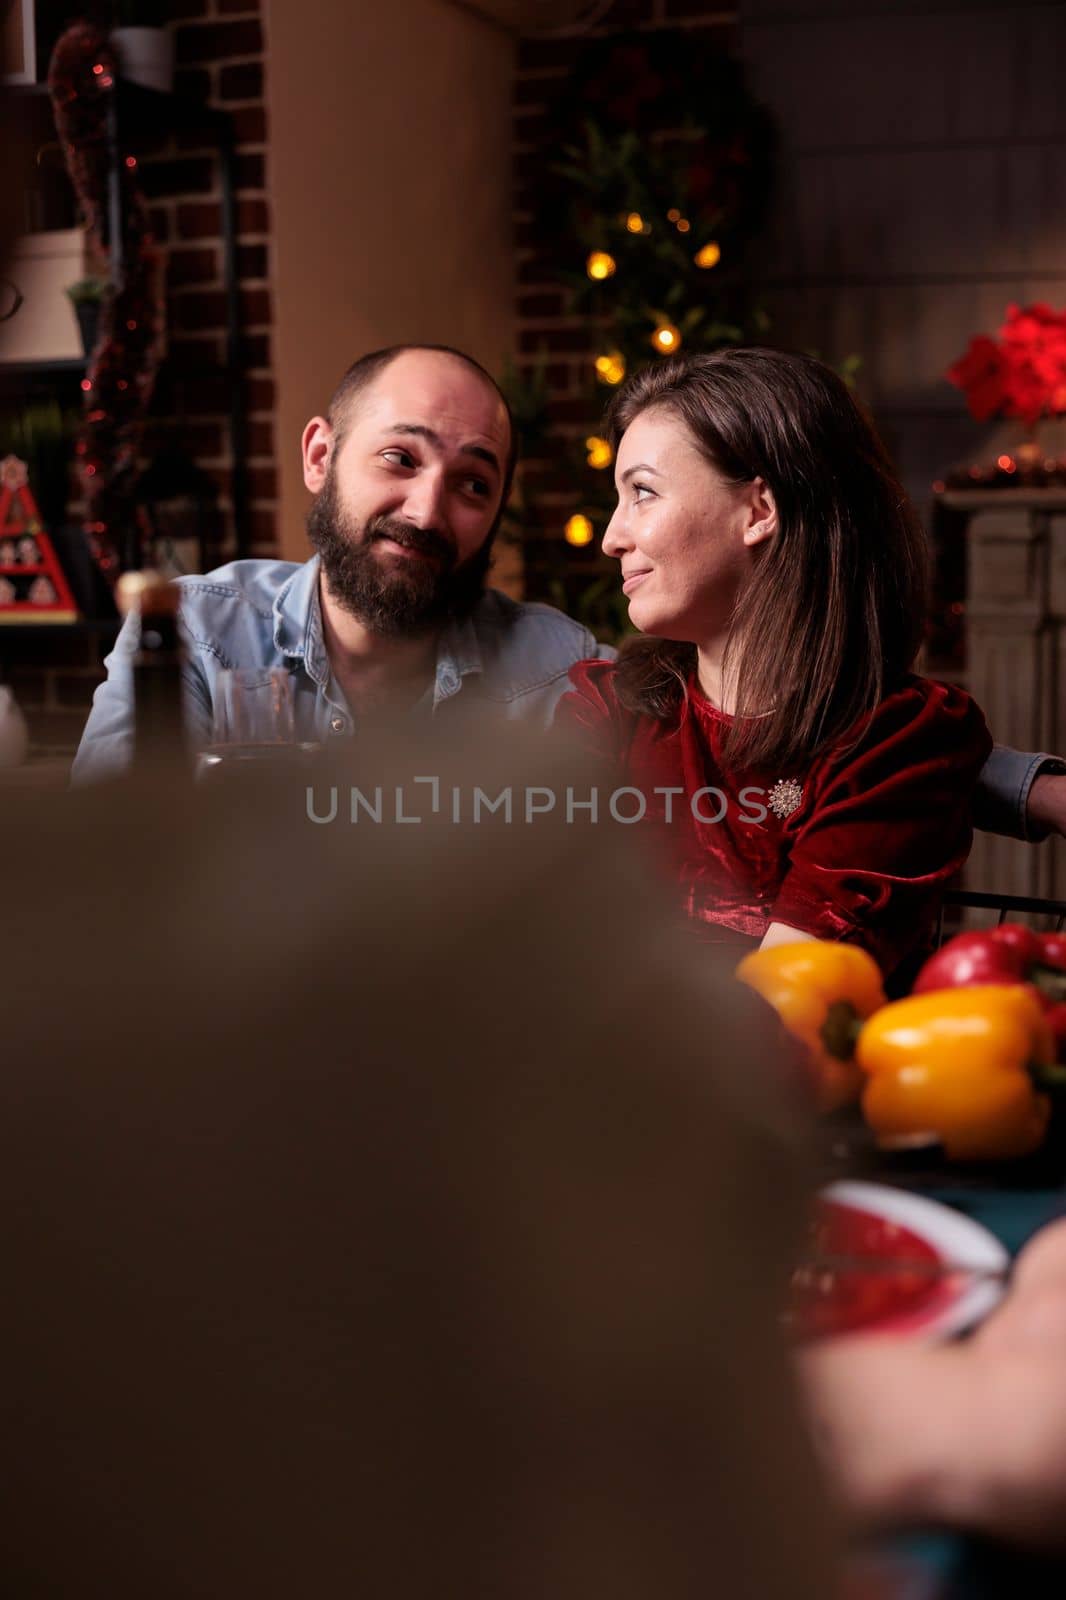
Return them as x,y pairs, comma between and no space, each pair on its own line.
121,375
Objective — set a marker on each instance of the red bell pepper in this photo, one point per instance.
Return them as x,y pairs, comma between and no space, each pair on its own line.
1007,954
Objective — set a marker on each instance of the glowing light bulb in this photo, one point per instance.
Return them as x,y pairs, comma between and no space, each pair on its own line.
611,368
600,265
709,256
666,338
635,222
600,453
579,531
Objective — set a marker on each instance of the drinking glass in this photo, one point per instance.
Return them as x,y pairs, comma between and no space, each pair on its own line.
253,719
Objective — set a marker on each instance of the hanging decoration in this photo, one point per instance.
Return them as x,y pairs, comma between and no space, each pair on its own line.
33,585
118,384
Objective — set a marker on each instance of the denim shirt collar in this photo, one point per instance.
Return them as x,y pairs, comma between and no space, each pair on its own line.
298,634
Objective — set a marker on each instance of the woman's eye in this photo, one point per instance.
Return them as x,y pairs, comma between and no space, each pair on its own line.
405,458
642,489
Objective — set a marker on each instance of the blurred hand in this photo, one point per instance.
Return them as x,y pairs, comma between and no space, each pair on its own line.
1017,1380
970,1436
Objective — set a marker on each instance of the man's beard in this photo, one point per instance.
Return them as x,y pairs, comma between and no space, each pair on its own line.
399,596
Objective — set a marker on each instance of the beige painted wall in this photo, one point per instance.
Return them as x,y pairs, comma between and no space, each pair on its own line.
390,133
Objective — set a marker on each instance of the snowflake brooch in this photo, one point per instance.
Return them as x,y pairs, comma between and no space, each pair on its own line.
786,796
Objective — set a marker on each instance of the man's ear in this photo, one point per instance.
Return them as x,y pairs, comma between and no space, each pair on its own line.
762,513
316,446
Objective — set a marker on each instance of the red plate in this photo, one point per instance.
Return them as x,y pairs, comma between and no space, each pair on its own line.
862,1221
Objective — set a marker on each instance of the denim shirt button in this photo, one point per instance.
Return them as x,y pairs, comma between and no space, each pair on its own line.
338,724
449,682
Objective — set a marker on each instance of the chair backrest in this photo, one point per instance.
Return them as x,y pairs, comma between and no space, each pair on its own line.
1006,906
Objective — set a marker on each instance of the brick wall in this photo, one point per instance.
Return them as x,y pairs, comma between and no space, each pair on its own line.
220,54
543,66
52,672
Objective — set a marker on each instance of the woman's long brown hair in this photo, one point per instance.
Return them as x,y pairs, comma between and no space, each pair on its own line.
832,614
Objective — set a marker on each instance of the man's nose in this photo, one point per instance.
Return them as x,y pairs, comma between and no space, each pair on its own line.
424,504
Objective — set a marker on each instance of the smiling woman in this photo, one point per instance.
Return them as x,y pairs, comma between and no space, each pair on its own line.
778,574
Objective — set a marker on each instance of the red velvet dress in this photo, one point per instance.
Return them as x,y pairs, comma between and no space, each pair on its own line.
859,846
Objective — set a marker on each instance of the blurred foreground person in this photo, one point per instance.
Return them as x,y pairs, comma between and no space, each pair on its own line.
367,1227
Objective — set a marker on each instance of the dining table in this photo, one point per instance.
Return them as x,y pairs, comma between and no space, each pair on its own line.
1013,1200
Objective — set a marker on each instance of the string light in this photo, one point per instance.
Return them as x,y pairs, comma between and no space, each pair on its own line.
579,531
86,384
666,338
600,453
611,368
601,265
673,215
683,225
709,256
1005,464
635,222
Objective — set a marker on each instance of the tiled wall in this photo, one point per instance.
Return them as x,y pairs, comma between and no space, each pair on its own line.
922,188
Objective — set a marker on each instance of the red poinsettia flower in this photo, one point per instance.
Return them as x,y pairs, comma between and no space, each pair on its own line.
979,374
1023,376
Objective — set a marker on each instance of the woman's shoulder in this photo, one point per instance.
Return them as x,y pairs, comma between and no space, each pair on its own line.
918,703
594,678
594,709
918,721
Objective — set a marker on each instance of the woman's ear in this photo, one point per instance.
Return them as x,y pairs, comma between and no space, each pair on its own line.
762,513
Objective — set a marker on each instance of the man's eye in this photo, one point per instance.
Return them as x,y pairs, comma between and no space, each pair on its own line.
476,486
405,458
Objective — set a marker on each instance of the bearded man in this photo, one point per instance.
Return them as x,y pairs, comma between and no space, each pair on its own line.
410,471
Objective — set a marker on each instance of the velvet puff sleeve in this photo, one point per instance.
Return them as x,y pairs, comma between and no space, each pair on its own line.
887,823
590,711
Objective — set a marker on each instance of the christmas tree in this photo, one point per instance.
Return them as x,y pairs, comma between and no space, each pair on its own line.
661,182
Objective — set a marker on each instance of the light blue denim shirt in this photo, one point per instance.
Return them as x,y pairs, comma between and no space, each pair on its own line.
250,614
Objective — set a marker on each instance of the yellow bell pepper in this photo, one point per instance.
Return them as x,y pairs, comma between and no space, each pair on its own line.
822,991
959,1065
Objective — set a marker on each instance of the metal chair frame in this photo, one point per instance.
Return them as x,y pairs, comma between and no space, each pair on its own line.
1005,904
